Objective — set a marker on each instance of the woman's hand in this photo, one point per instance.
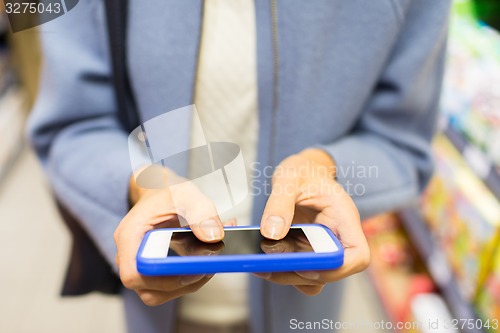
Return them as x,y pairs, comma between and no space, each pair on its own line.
304,191
153,209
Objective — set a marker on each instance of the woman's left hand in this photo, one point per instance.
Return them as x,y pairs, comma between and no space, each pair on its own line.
304,190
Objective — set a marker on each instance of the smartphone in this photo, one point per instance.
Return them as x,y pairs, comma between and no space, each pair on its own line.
243,249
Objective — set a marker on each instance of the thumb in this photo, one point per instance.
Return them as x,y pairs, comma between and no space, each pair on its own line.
280,207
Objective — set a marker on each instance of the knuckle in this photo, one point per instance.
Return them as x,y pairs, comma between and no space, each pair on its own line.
310,290
128,280
150,299
118,230
357,214
116,235
315,291
364,259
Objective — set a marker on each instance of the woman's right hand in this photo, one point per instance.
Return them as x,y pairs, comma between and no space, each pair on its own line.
155,209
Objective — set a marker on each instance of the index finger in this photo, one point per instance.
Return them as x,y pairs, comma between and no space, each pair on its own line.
280,207
198,211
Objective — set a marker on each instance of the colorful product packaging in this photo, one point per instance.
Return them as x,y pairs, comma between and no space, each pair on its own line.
464,217
487,302
471,91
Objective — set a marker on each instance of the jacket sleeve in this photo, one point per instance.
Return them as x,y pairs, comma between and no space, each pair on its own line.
386,161
74,127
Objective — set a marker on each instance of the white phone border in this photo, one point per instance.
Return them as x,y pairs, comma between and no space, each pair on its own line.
158,242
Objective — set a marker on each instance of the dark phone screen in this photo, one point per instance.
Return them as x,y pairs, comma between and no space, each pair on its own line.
238,242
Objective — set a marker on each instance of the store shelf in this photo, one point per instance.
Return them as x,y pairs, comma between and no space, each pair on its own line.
437,264
477,160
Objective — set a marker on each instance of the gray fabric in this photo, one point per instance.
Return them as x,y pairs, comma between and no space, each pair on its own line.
275,306
359,78
141,318
184,326
267,299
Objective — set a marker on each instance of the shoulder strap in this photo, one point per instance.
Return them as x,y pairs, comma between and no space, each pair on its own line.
116,15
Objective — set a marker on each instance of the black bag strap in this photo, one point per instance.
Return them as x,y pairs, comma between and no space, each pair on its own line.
116,14
87,269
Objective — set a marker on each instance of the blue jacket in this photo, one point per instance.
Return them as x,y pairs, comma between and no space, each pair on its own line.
358,78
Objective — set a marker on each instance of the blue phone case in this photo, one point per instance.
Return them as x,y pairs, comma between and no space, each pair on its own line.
283,262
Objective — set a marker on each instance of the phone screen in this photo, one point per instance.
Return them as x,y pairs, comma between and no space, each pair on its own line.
239,242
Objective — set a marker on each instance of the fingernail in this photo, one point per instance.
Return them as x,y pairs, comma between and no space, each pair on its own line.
311,275
211,230
190,279
274,228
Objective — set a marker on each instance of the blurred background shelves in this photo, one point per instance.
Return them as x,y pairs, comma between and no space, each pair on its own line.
482,164
400,276
438,266
445,250
471,91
